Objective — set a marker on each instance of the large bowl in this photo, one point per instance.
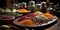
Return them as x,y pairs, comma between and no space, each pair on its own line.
53,20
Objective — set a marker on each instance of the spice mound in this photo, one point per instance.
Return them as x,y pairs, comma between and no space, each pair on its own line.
26,23
48,15
23,10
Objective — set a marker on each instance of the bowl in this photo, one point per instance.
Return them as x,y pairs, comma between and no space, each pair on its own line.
6,19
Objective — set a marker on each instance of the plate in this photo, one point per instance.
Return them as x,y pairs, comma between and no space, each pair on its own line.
53,20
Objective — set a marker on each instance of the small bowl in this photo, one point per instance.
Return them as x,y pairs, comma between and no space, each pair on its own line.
6,19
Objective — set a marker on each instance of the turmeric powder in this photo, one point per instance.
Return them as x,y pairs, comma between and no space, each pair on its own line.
23,10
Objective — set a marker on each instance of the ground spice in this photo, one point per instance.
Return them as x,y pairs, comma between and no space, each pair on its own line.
22,10
27,23
48,15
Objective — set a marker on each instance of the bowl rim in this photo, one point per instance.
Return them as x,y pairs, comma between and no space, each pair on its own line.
53,20
9,19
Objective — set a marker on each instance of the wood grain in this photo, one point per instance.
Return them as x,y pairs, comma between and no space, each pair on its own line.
56,26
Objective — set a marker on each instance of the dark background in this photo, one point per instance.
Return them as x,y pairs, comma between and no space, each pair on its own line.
3,2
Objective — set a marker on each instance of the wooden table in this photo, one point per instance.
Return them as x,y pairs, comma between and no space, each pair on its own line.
56,26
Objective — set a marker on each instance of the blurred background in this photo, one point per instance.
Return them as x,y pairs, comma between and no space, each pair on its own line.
9,3
4,3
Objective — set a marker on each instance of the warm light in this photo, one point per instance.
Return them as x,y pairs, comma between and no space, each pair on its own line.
47,1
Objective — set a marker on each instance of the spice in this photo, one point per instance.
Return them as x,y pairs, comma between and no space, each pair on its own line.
48,15
27,22
38,13
8,10
23,10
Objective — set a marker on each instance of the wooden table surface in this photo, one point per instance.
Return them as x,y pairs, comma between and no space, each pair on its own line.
55,26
